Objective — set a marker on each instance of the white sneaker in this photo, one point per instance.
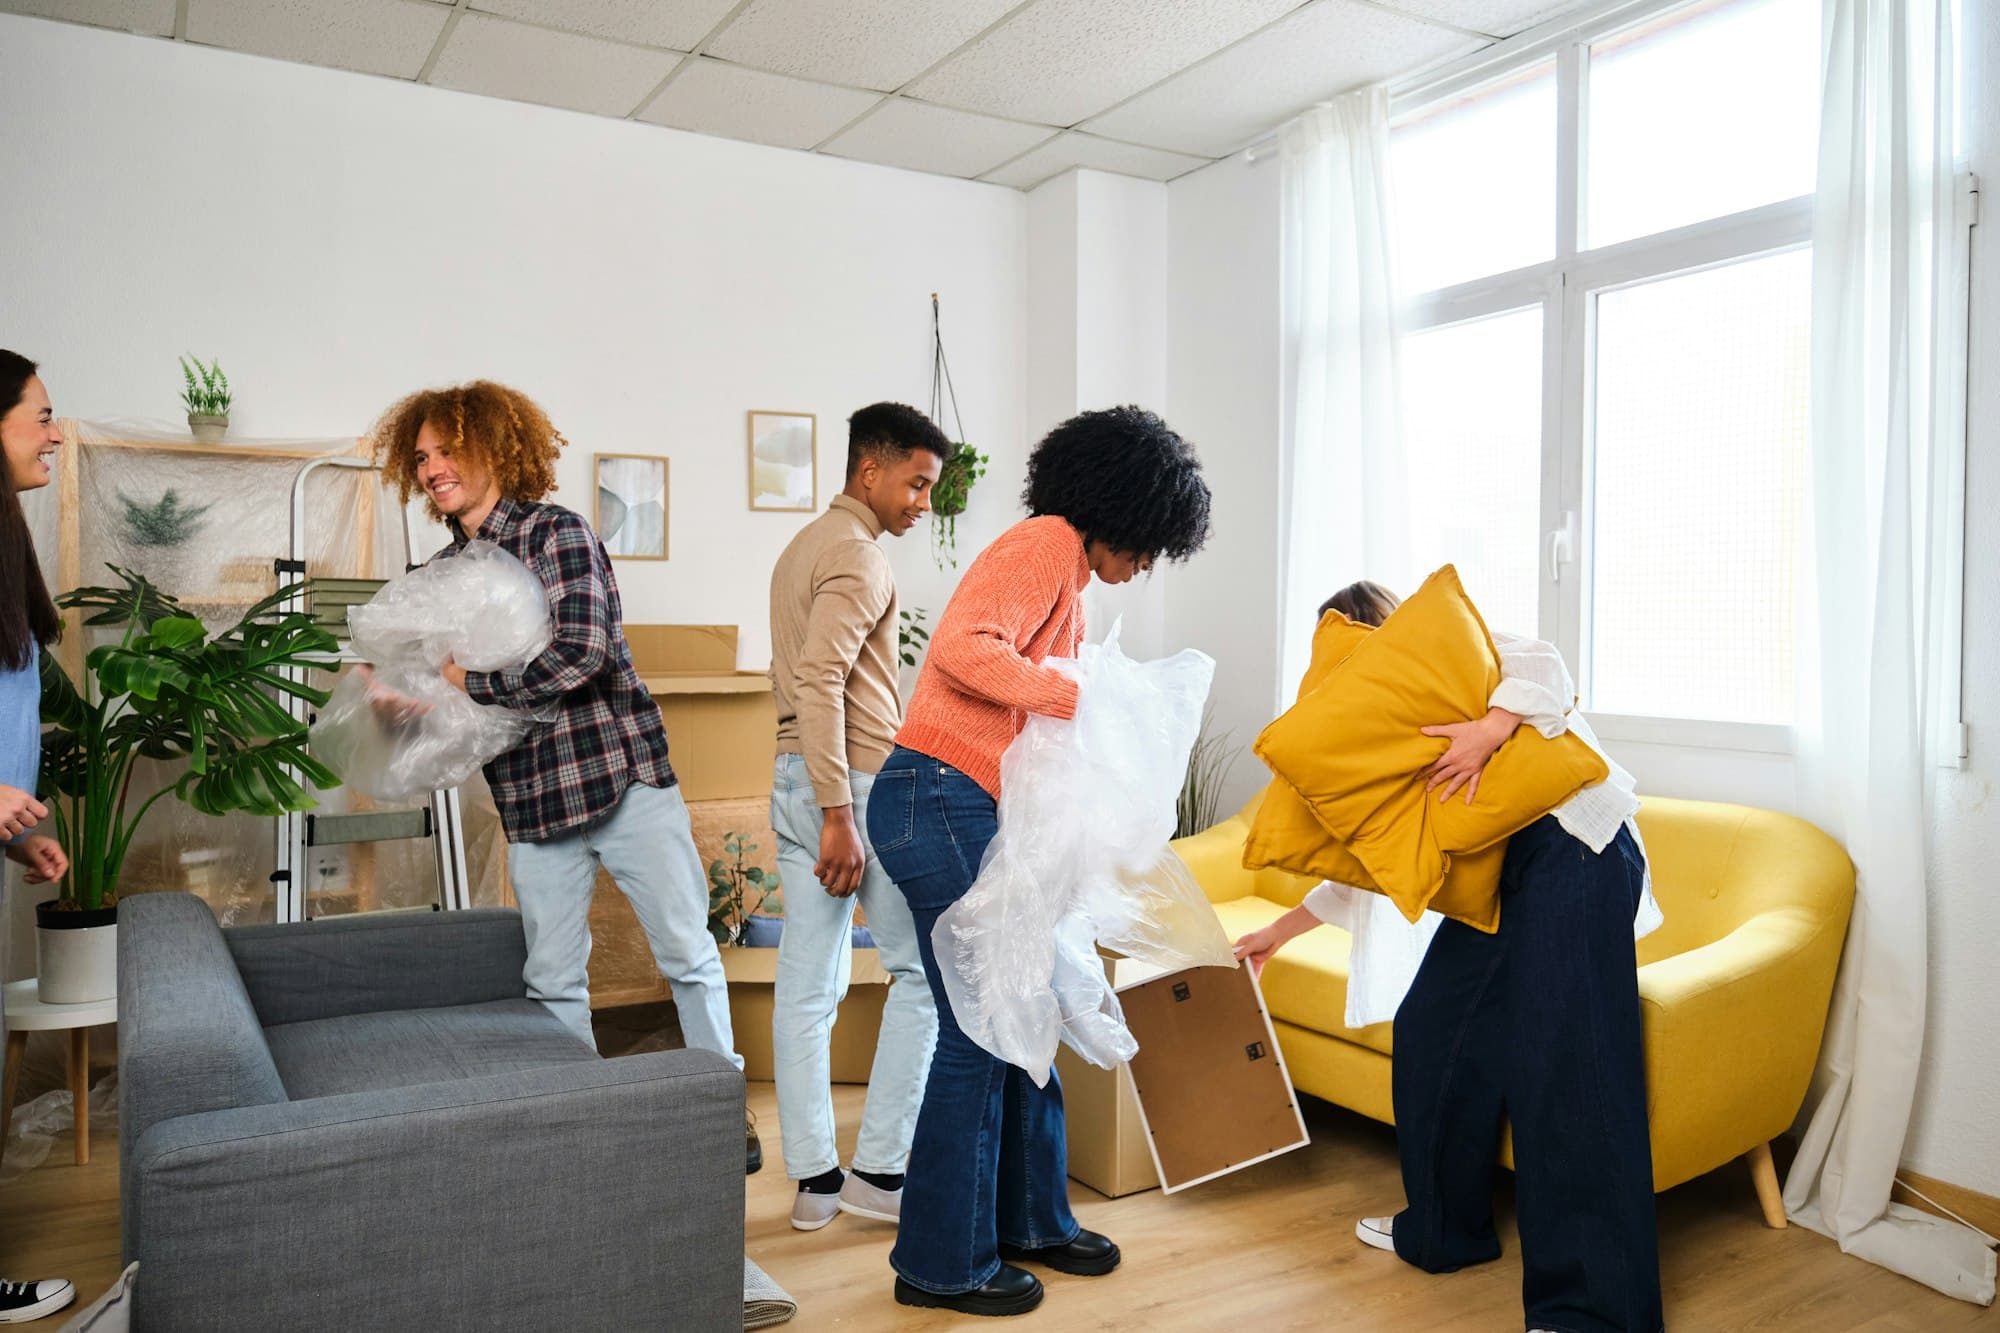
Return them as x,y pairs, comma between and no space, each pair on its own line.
23,1301
810,1212
862,1199
1376,1231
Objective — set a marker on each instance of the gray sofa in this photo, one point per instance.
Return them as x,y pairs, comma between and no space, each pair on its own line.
363,1123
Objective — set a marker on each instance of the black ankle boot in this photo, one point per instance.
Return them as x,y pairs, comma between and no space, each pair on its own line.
1010,1291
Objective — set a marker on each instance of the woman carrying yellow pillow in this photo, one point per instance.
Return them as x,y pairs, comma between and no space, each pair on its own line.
1537,1022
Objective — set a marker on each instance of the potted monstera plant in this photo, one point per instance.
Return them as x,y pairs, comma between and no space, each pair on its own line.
165,690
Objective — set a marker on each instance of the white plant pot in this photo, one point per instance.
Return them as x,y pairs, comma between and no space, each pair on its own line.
76,964
207,429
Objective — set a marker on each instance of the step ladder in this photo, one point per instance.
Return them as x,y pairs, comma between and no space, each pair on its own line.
439,819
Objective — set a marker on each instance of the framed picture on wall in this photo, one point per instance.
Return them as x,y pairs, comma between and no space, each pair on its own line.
784,462
631,507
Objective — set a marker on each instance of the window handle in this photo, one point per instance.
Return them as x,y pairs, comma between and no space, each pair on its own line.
1562,546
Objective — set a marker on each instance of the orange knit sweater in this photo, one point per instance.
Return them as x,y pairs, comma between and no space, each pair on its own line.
1018,605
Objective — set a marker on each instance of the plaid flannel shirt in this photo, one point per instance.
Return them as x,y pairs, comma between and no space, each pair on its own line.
607,733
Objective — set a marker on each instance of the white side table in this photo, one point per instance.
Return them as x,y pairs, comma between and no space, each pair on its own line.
26,1013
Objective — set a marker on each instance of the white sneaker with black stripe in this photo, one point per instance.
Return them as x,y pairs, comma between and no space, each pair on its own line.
23,1301
1377,1231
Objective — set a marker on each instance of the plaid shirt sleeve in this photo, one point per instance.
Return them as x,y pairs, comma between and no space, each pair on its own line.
584,647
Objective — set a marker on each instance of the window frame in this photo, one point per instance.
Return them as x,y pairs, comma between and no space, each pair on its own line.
1567,287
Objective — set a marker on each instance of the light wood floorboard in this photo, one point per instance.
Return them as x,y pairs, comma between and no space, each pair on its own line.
1269,1248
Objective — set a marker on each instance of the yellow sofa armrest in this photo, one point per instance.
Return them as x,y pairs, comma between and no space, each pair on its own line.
1733,1030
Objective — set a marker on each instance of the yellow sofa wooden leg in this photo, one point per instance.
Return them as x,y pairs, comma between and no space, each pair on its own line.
1764,1174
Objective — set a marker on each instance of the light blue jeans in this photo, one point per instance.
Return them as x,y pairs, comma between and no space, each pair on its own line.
813,971
647,844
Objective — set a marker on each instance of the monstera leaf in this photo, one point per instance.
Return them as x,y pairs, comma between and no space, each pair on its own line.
168,691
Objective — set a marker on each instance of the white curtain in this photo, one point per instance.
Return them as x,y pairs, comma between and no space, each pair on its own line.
1882,265
1344,508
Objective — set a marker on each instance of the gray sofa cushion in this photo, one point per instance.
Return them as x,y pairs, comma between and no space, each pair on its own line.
379,961
370,1052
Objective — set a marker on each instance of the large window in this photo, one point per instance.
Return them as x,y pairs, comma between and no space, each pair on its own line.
1606,258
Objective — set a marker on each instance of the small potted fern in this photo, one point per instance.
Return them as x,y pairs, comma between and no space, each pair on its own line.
206,397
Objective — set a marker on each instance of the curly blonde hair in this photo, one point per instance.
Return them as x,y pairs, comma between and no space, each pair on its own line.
501,429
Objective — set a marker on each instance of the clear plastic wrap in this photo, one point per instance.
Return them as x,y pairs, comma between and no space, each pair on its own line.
398,729
1081,860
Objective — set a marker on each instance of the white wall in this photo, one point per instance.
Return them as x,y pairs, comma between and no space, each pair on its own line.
340,240
1222,391
1097,334
1223,385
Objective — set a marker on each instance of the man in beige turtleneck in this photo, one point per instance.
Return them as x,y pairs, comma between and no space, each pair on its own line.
834,665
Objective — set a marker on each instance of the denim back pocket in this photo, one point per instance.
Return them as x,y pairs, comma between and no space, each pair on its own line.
892,810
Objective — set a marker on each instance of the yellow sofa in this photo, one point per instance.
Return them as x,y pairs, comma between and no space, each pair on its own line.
1734,987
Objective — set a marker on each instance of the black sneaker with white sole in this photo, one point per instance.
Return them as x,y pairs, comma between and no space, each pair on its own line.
23,1301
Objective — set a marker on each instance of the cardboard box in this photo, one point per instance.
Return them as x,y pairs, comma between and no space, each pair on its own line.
722,724
1214,1107
622,970
857,1023
1107,1136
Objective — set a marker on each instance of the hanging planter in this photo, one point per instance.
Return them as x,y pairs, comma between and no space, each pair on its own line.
966,465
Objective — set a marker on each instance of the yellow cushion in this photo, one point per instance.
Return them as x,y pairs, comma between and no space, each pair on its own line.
1287,835
1353,749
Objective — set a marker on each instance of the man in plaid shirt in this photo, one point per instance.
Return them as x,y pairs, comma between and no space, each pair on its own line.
592,787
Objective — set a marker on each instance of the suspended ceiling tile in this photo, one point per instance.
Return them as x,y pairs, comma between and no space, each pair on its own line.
866,43
910,134
502,59
1496,18
1084,150
676,24
392,37
151,18
1330,47
1060,61
711,97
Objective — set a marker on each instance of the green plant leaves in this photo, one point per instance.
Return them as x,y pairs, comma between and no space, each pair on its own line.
209,395
168,691
137,603
911,636
949,496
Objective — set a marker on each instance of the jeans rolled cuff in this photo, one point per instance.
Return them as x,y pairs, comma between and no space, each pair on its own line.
1075,1231
936,1290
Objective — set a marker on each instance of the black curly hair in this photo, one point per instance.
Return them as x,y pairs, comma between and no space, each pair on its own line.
1121,476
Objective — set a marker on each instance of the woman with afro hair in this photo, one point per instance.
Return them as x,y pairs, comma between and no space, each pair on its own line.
1108,493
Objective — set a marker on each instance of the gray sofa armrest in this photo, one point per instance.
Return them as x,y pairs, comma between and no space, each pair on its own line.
380,961
189,1039
601,1195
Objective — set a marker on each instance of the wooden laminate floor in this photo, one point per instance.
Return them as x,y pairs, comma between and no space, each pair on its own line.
1269,1248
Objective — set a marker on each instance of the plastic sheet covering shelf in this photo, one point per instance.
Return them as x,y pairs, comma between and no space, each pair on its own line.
206,523
1081,860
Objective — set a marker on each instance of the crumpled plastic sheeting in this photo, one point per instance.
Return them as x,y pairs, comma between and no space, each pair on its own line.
482,609
1087,807
35,1125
